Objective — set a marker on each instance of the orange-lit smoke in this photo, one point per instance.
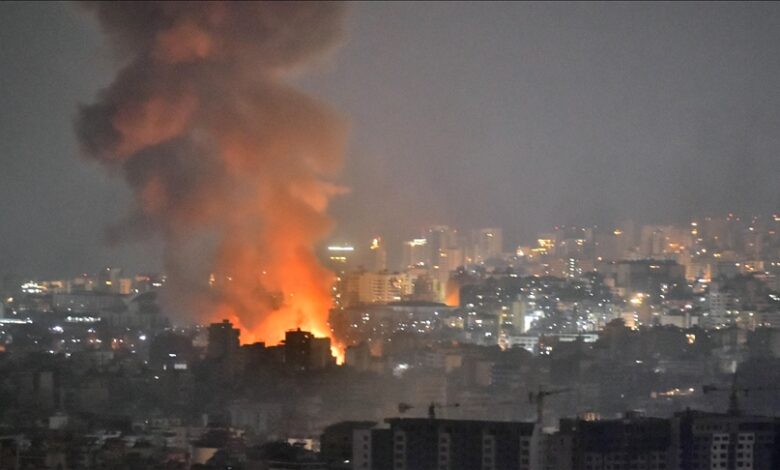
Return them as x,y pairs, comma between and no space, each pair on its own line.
230,165
452,294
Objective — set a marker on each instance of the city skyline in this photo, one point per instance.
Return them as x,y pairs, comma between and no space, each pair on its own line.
663,137
325,235
364,254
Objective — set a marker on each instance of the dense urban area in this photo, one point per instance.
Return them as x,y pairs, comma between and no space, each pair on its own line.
615,348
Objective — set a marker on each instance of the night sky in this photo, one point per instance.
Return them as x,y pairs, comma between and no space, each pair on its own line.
515,115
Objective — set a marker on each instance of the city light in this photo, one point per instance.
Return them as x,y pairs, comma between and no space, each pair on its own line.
326,235
341,248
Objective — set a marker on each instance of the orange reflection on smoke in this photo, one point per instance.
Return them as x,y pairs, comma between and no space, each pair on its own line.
452,296
336,347
297,311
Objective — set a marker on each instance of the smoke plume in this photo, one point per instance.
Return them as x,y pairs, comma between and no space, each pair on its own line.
221,151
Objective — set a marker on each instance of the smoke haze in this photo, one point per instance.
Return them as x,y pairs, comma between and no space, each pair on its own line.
520,115
228,163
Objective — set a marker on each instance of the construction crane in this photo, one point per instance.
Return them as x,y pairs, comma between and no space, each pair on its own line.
537,398
432,407
734,391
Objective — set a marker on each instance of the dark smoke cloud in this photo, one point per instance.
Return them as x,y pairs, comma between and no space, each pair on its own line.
217,147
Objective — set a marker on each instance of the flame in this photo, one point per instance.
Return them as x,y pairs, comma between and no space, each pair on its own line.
250,335
217,144
337,348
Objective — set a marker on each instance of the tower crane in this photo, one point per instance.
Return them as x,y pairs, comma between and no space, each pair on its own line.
537,398
432,407
734,391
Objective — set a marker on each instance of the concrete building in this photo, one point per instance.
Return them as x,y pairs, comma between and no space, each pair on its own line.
362,322
88,303
439,444
649,277
378,252
488,244
304,351
363,287
416,253
709,441
634,443
223,340
340,257
337,443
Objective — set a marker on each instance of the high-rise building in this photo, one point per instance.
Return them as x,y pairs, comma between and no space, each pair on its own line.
573,269
358,356
488,244
548,243
635,443
610,245
297,348
655,240
442,243
378,253
515,319
363,287
415,253
648,276
304,351
223,340
108,279
321,355
336,443
440,238
340,256
723,232
705,441
722,308
444,443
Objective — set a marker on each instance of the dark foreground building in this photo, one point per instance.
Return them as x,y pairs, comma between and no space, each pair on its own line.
691,440
424,444
729,441
336,443
633,443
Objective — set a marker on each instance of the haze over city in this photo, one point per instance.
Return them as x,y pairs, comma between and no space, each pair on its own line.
384,236
522,115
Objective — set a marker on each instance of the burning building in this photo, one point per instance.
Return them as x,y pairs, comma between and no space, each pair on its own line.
231,166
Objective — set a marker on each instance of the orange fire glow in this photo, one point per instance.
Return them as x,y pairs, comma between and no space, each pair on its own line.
275,281
230,164
249,336
452,295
